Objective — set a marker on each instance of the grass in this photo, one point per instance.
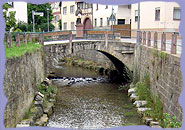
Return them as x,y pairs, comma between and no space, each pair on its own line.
46,89
153,101
15,51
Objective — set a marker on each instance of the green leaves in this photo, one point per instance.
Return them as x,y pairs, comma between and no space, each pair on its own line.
40,21
169,122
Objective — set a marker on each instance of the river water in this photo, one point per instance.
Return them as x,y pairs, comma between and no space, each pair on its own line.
86,100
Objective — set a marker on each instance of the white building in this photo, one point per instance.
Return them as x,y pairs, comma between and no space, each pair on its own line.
56,11
159,16
21,10
102,13
68,15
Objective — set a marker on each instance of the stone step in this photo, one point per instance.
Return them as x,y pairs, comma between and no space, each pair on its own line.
140,103
152,123
133,97
49,109
44,119
147,120
23,123
131,90
142,110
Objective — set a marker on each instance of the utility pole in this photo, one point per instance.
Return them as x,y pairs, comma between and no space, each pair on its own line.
136,75
138,25
48,18
33,13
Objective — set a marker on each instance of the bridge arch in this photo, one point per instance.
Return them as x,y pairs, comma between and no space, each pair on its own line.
124,73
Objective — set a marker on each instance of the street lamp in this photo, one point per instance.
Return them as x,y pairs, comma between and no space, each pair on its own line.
112,18
138,25
48,18
33,17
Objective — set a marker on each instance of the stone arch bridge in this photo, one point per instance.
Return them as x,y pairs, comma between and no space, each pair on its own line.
121,54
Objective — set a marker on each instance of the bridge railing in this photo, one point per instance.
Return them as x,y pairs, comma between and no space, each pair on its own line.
166,41
22,37
88,34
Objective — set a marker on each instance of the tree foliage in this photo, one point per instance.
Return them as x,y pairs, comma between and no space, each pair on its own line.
40,21
60,24
10,20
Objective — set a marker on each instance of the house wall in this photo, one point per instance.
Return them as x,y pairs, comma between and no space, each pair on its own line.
56,13
21,11
147,19
68,18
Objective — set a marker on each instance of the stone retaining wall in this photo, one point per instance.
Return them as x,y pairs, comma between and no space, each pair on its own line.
165,77
22,74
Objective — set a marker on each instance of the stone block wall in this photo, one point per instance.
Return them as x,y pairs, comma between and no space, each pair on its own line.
22,74
165,77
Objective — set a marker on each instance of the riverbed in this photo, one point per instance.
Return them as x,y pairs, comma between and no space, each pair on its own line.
87,100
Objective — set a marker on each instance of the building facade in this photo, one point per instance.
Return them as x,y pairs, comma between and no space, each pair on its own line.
21,11
158,16
56,11
69,18
102,13
68,15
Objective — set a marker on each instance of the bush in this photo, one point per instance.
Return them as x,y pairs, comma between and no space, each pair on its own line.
169,122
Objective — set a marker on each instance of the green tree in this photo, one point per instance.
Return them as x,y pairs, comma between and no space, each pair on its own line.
40,21
10,20
21,26
60,24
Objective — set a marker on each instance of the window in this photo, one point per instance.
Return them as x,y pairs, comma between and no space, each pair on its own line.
64,10
129,6
157,14
65,26
101,22
95,22
84,5
136,15
107,21
11,4
56,18
72,9
90,5
176,13
106,7
80,5
72,25
96,6
121,21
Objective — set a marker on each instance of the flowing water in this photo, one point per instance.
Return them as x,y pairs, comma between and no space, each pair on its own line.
86,100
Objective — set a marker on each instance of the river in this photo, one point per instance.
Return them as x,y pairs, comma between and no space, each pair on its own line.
86,100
